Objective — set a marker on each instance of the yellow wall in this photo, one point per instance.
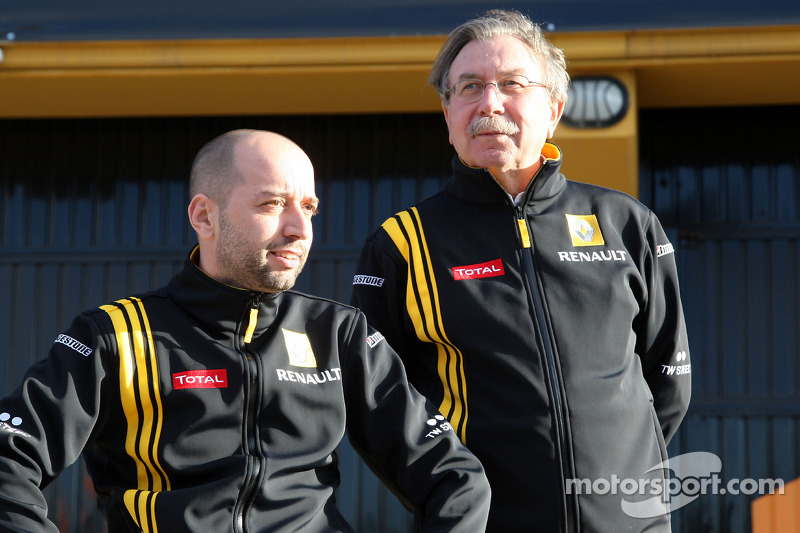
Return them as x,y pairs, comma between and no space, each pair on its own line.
608,156
660,68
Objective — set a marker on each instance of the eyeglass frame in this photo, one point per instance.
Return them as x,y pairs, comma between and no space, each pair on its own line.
451,92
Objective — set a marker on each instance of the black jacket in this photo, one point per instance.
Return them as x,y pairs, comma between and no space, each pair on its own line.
550,333
201,407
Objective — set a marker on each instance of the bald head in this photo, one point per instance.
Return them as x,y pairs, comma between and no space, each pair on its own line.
217,169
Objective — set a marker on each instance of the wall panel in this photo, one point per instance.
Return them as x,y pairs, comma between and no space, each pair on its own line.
730,193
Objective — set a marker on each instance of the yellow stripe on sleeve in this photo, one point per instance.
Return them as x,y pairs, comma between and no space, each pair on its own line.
140,395
422,304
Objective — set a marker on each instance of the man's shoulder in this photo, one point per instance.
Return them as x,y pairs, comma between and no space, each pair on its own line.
432,203
601,194
438,205
594,189
312,302
151,297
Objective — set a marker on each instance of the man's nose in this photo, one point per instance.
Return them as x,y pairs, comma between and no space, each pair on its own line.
491,99
297,223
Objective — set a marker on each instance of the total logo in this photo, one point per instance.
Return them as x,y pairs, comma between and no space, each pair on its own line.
680,369
5,418
439,424
200,379
488,269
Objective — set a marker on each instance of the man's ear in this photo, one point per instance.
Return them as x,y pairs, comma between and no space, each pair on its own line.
556,110
203,213
446,111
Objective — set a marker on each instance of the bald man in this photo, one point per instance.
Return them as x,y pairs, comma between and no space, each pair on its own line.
217,403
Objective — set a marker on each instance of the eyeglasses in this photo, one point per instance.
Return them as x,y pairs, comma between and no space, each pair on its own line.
470,90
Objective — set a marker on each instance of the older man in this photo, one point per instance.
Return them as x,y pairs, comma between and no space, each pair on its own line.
543,316
217,402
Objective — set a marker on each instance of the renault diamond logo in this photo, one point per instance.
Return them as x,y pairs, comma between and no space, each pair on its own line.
584,230
300,352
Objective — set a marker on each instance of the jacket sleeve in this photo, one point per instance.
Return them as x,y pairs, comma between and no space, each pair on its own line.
661,332
380,280
406,442
45,424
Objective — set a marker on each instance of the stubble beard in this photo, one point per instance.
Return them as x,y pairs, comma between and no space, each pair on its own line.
245,266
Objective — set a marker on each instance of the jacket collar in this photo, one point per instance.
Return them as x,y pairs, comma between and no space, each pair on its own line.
478,186
220,307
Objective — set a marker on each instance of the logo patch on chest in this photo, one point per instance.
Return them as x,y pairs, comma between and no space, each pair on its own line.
201,379
584,230
480,270
299,348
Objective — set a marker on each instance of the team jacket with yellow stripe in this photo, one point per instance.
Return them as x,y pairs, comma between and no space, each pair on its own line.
201,407
551,335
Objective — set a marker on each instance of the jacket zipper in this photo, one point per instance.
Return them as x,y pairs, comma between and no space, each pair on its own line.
252,377
550,362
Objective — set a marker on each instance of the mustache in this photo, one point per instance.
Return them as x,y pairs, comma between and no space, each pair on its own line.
493,124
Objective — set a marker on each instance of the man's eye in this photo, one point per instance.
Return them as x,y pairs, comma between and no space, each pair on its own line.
470,86
274,203
310,209
512,83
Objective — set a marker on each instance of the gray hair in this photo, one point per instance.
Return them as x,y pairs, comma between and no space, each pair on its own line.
497,22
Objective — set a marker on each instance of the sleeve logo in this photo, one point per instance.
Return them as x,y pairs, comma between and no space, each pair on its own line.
584,230
682,368
368,280
439,425
374,339
11,427
664,249
76,345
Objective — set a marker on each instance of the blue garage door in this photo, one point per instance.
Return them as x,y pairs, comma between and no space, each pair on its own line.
726,183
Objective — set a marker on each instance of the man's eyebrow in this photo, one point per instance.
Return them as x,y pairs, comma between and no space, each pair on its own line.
500,74
272,193
269,193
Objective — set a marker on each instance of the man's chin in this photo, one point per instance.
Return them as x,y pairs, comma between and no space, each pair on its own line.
494,159
281,281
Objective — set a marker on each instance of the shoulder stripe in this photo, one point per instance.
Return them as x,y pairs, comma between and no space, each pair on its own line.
422,304
141,402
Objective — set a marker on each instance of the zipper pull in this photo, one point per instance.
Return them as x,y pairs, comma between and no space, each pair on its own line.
253,320
523,229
